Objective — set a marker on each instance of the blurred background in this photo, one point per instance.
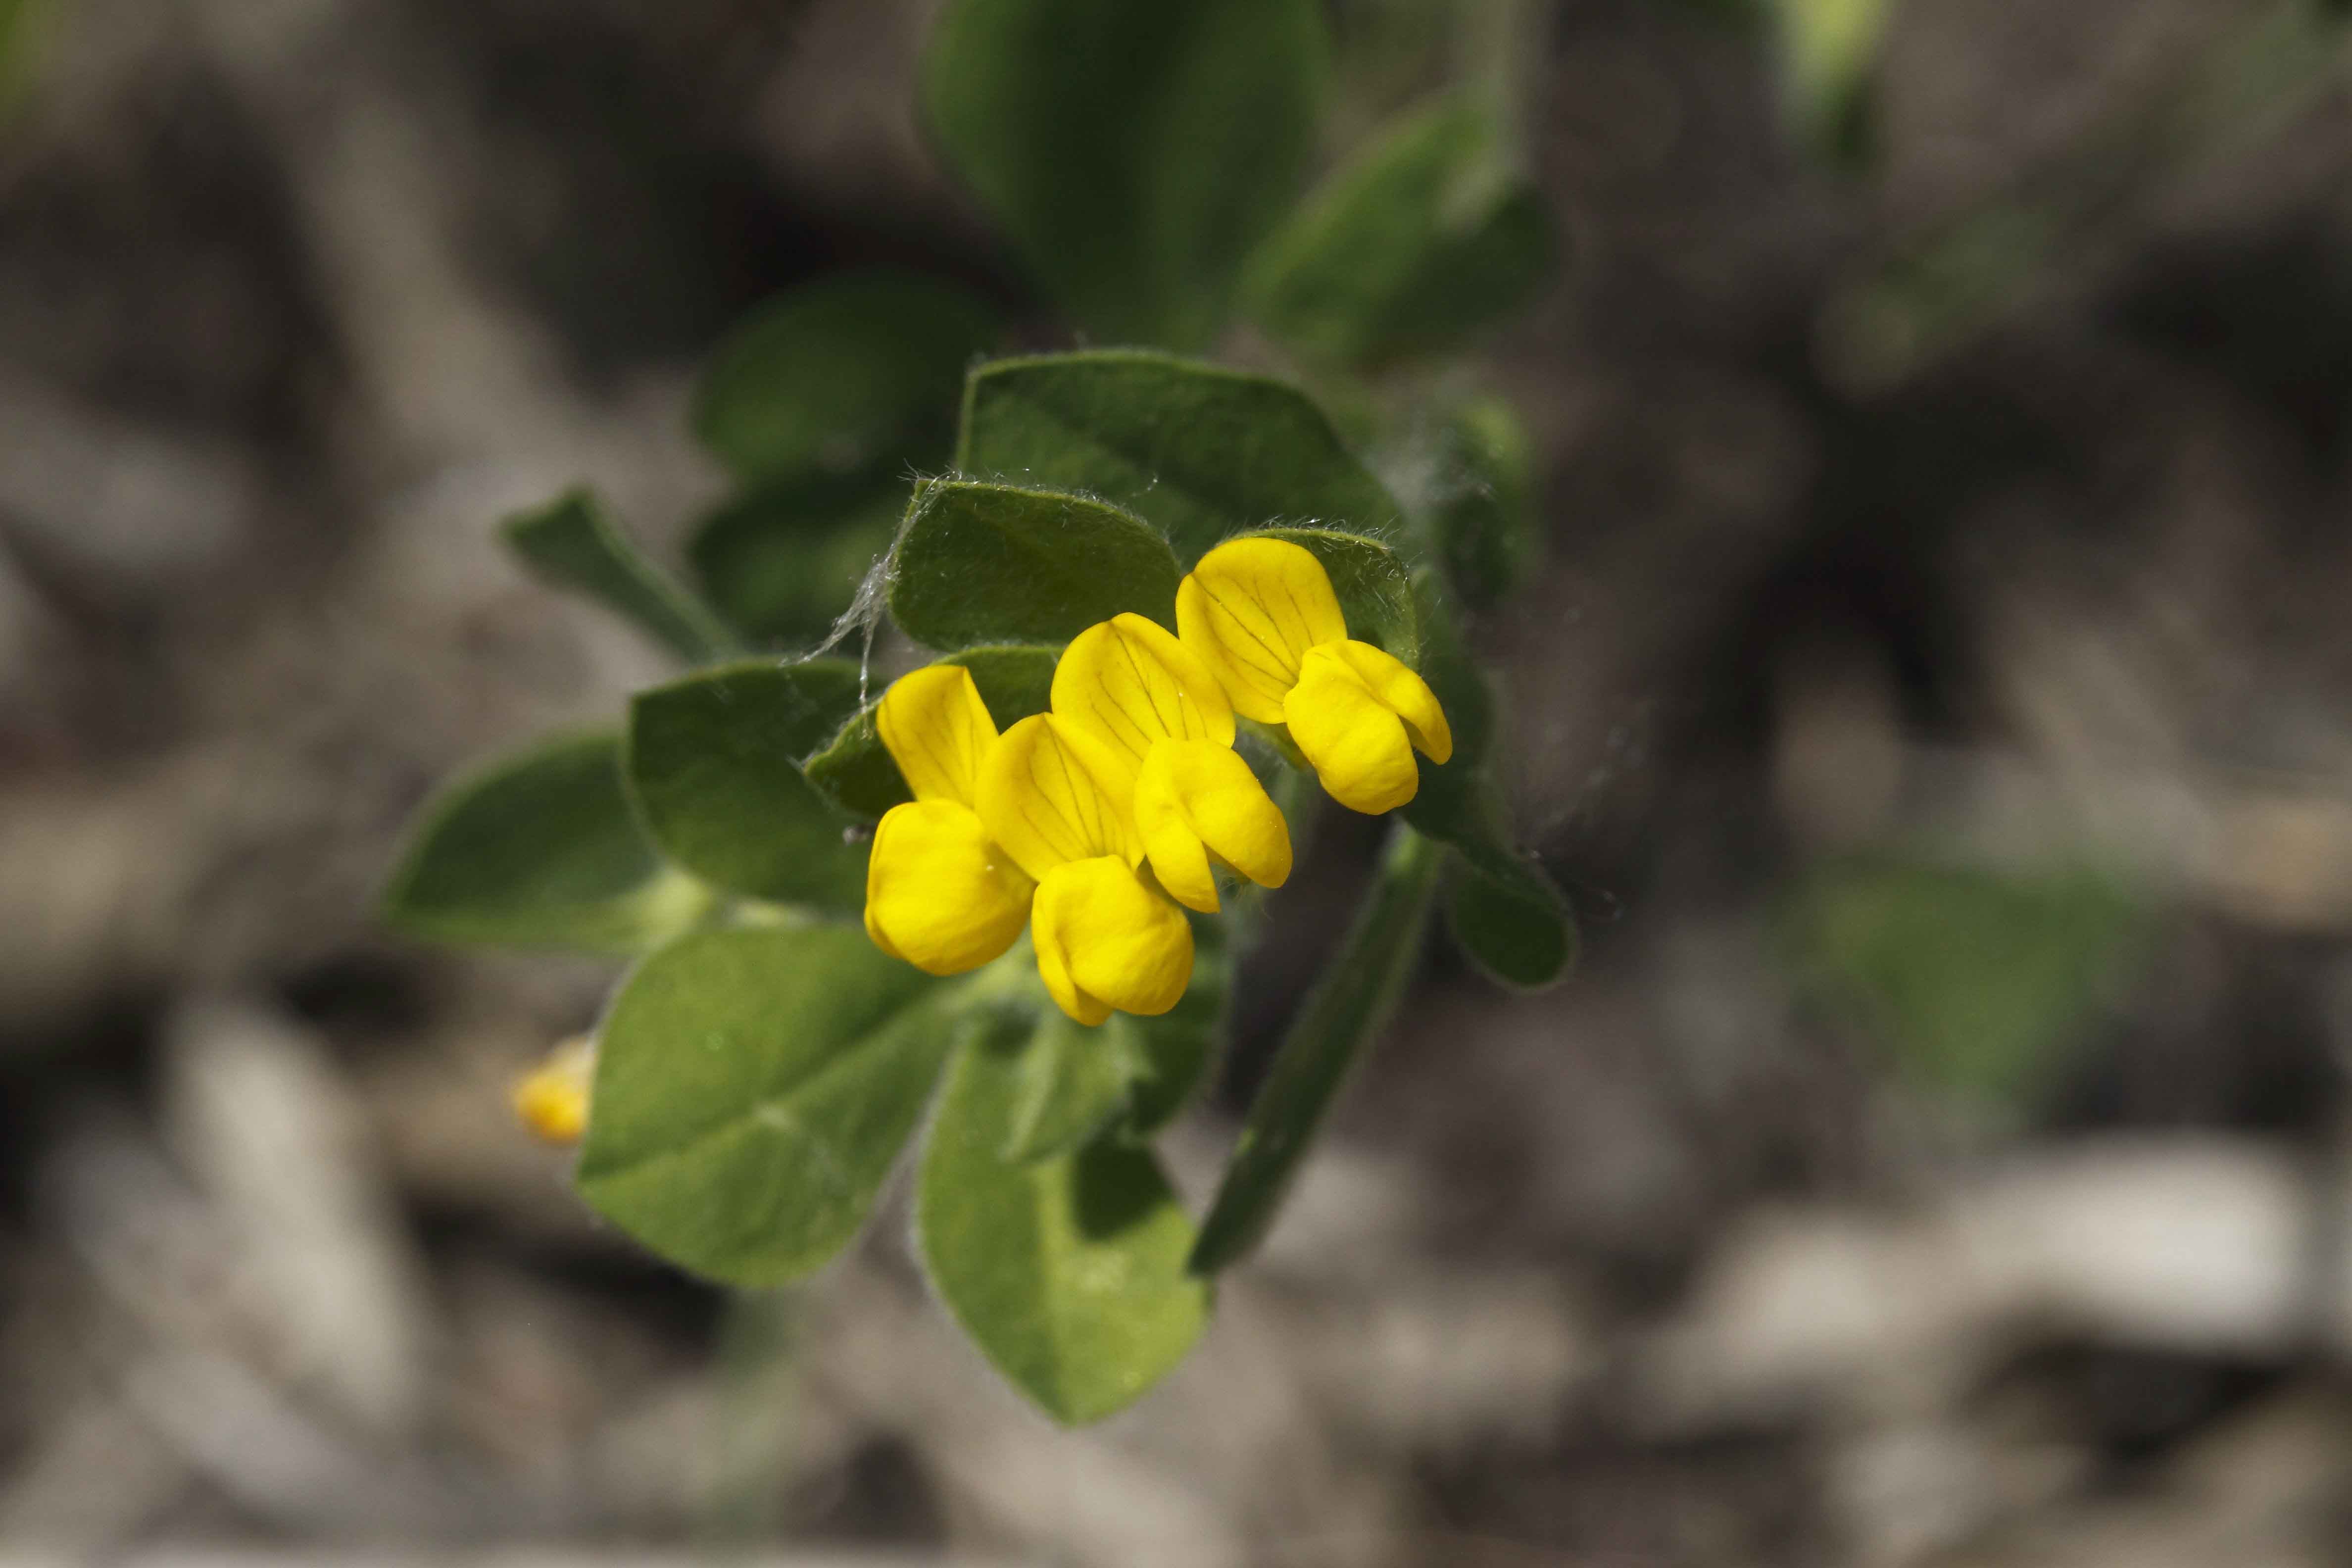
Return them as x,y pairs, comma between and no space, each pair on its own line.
1937,696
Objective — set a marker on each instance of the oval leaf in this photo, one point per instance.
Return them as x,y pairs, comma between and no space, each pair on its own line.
1980,981
1456,802
1200,451
855,770
1073,1081
753,1088
783,562
540,850
1138,1072
1829,58
1461,806
1485,509
980,564
1069,1273
713,767
1517,932
1350,1004
1169,1054
1134,153
1427,236
573,541
841,375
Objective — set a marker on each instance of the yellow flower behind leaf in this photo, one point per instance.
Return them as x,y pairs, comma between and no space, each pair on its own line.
1159,714
1261,614
939,892
937,728
1061,802
552,1099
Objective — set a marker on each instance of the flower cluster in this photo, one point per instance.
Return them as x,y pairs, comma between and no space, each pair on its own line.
1091,821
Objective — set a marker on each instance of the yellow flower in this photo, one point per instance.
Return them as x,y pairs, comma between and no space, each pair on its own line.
938,893
1162,715
1261,614
1060,801
552,1099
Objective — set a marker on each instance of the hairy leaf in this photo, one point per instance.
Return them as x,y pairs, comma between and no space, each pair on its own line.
1515,930
983,563
1461,804
1134,153
782,564
1069,1273
1484,508
1170,1055
842,375
1200,451
1073,1081
713,765
572,541
540,848
753,1088
1428,236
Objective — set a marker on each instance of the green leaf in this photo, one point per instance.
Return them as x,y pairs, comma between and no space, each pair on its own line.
1138,1072
753,1088
29,33
1829,54
1978,981
1069,1273
1458,802
1134,153
980,564
1516,932
1461,806
783,562
713,765
1375,589
855,770
540,850
1348,1006
1073,1081
841,375
1484,511
1430,234
573,541
1200,451
1170,1055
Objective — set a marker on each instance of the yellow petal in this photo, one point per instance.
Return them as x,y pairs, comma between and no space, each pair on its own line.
1251,610
1196,798
1357,744
1106,942
874,931
937,730
553,1098
1051,793
938,893
1054,965
1404,693
1129,682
